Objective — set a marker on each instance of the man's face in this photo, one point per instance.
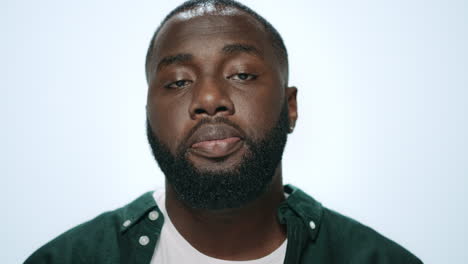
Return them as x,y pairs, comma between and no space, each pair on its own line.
217,107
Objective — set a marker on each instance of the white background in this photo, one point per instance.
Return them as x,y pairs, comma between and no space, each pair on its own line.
381,135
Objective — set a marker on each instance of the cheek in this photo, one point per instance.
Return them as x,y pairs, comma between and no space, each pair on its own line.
261,111
167,119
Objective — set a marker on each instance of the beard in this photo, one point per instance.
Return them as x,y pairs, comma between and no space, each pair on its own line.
226,188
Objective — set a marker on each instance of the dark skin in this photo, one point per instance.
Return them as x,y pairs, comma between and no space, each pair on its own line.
220,65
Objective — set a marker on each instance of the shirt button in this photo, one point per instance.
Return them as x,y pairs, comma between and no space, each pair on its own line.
127,223
144,240
153,215
312,224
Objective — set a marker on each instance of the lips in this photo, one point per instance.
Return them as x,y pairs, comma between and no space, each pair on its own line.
215,141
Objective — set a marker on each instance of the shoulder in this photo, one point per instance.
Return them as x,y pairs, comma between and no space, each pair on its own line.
360,243
335,238
74,245
82,243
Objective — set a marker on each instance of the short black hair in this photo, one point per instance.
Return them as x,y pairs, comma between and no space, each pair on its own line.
277,41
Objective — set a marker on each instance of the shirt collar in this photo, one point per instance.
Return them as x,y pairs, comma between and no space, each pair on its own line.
134,211
301,205
298,204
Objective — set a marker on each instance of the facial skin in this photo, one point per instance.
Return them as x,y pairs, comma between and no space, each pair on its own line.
211,67
248,88
236,79
217,66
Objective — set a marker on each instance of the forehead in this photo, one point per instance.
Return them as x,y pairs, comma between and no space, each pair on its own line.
208,26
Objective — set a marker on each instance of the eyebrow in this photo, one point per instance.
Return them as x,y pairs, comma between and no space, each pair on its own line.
175,59
227,49
241,48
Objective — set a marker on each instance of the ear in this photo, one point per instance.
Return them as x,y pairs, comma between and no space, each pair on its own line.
291,97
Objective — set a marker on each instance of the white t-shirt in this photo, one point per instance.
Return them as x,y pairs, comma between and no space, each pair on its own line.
173,248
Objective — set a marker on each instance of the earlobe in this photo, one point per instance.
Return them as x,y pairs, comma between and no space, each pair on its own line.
291,97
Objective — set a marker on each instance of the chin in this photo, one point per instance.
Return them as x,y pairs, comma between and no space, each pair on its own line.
213,167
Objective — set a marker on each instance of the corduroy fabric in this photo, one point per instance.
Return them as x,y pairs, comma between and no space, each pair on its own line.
315,233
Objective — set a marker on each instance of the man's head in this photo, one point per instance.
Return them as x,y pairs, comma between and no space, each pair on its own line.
218,108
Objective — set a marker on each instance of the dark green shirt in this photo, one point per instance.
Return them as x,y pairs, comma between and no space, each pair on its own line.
315,235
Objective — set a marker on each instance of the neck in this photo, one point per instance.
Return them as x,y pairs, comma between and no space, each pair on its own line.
250,232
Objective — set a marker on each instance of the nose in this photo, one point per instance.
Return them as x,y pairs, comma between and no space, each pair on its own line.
209,98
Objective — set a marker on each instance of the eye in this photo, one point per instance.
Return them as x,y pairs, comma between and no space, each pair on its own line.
243,77
178,84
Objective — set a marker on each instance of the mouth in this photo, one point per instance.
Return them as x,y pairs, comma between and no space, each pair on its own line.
215,141
218,148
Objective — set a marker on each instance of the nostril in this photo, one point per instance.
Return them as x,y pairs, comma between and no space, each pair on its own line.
211,111
199,111
221,109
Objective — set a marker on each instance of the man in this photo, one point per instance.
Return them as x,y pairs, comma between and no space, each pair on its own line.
218,113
